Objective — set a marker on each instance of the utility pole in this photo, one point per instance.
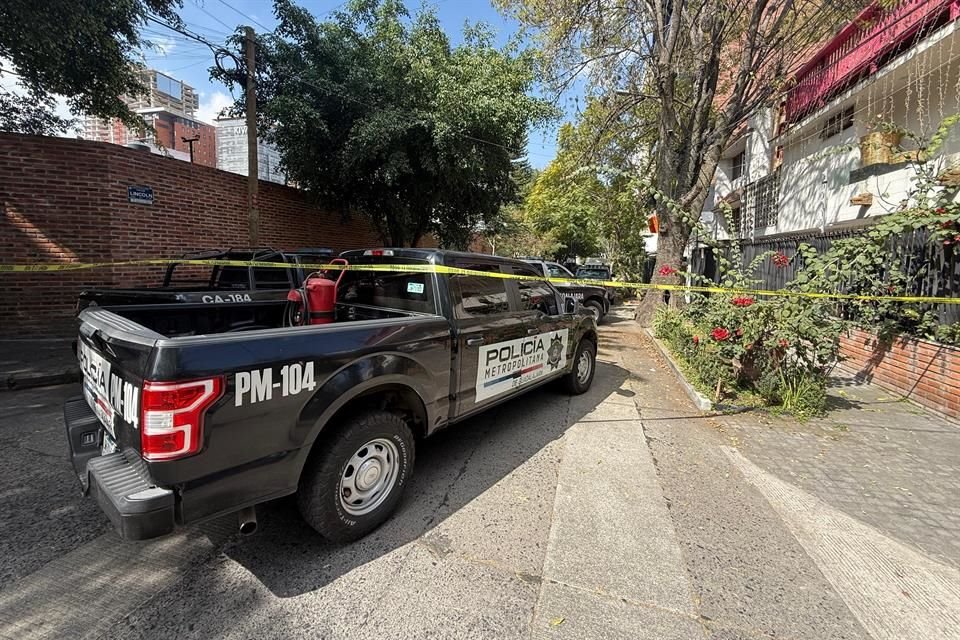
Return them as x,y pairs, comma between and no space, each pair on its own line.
253,212
190,142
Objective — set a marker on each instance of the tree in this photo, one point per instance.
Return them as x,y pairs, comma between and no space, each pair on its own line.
375,112
84,51
565,202
705,65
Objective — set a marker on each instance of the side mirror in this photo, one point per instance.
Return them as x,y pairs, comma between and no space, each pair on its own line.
569,305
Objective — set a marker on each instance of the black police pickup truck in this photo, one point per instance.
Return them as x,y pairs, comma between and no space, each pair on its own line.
172,430
594,298
218,298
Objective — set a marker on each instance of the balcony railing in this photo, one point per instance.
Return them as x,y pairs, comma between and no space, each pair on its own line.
860,47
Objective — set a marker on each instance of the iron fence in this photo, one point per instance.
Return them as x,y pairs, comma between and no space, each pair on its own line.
931,268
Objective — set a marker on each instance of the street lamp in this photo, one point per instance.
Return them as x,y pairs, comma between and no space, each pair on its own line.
190,142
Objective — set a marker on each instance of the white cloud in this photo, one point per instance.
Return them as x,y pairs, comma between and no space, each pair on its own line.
163,45
211,104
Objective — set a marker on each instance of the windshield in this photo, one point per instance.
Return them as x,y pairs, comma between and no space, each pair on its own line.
593,273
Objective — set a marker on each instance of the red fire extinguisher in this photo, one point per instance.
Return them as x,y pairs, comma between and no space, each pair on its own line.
316,301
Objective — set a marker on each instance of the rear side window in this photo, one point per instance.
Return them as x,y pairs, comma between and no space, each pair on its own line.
271,278
233,278
389,289
479,295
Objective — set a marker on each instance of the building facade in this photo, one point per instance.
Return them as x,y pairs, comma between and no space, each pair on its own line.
232,152
820,159
165,92
169,106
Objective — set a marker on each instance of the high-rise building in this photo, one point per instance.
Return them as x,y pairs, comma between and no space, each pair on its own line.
232,151
165,92
170,107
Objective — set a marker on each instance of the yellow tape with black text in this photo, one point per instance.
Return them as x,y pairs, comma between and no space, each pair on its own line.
430,268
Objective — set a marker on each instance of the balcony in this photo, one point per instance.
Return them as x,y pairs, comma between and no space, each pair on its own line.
861,48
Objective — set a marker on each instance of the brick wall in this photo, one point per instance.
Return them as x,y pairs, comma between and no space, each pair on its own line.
926,372
65,201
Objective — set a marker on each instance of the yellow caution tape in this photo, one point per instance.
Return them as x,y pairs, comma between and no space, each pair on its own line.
430,268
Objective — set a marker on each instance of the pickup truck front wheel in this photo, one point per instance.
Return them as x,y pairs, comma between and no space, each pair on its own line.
584,366
355,481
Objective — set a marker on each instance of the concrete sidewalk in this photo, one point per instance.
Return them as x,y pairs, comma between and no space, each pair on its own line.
841,527
36,363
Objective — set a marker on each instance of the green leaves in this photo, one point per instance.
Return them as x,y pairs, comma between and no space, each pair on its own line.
376,113
86,51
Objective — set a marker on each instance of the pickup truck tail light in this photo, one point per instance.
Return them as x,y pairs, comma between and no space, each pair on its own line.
172,417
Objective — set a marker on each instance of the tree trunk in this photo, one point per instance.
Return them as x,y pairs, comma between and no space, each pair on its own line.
670,248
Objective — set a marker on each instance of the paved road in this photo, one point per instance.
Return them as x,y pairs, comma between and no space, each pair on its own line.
623,513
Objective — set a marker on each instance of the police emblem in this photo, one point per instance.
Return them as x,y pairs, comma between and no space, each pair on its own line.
554,352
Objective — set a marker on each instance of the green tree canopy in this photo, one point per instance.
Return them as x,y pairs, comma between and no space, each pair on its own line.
566,201
83,50
375,112
588,199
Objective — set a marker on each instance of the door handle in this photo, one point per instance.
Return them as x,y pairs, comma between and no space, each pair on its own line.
472,342
533,331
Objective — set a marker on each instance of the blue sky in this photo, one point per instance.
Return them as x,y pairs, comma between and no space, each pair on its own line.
188,60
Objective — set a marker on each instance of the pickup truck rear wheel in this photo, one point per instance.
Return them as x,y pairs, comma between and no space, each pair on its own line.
355,481
584,366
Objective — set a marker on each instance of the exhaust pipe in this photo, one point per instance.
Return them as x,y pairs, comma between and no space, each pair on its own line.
248,521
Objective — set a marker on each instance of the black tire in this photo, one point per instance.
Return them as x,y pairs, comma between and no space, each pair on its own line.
319,496
574,382
597,307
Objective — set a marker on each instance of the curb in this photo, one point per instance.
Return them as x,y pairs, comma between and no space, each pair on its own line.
16,382
701,401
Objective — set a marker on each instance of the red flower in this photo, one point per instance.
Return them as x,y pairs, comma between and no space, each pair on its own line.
783,344
666,270
940,210
947,242
720,334
696,339
739,332
956,238
780,260
947,224
743,301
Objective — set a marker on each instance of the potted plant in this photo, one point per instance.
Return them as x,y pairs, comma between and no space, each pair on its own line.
878,145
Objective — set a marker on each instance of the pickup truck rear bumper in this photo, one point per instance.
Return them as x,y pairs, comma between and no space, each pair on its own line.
138,509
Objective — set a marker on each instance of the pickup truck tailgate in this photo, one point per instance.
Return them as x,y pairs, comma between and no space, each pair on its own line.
114,355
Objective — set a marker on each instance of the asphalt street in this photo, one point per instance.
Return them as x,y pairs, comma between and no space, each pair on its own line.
622,513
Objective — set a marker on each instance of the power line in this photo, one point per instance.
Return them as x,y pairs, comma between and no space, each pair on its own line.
184,32
225,25
217,49
230,6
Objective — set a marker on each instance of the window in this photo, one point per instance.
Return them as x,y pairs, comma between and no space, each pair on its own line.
479,295
737,165
763,201
271,277
558,271
593,272
390,289
837,122
169,86
535,295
